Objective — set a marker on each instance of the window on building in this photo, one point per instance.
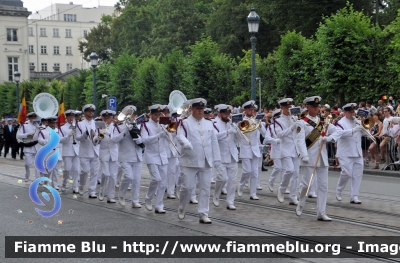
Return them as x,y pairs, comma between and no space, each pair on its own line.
69,17
31,64
56,66
67,32
56,50
85,33
31,49
12,67
69,50
30,31
42,32
55,32
69,66
12,34
44,66
43,50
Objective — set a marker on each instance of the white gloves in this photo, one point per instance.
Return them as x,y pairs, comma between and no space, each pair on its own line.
326,139
188,146
277,141
129,126
305,159
86,135
357,128
294,126
232,130
217,164
161,134
71,132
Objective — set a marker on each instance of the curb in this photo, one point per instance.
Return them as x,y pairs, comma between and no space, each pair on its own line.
373,172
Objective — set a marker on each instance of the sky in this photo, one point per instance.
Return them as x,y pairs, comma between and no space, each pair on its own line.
36,5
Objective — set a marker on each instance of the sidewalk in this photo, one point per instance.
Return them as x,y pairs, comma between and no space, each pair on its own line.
368,170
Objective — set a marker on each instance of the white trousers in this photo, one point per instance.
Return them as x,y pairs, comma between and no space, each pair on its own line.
352,168
172,174
249,171
29,157
109,175
55,173
290,166
158,184
260,161
71,170
132,174
321,175
189,186
89,165
226,175
180,181
277,171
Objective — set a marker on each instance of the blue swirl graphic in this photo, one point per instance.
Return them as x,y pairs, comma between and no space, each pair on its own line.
35,198
40,158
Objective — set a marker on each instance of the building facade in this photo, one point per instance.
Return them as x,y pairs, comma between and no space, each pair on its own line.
47,44
14,54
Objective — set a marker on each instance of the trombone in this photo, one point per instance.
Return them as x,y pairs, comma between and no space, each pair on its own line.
240,131
172,127
366,124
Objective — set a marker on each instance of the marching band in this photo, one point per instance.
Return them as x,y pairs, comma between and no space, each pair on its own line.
183,151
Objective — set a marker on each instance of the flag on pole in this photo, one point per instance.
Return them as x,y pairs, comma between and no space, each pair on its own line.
22,109
61,110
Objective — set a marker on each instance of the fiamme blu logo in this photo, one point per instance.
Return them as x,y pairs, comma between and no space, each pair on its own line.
45,161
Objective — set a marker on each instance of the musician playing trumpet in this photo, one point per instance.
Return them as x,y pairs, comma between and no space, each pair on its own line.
26,131
108,158
350,154
311,134
70,152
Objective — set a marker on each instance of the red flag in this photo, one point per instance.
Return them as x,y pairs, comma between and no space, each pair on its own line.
22,109
61,110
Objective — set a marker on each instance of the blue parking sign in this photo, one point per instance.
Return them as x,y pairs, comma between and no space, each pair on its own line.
112,103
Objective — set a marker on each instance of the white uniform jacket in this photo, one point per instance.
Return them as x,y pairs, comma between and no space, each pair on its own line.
282,128
271,138
108,148
202,136
349,144
226,142
156,148
128,149
68,149
247,150
88,148
26,129
303,129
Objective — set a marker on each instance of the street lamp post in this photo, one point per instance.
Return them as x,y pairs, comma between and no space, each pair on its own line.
17,77
259,92
94,59
253,21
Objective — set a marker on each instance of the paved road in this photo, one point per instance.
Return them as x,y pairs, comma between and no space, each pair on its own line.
83,216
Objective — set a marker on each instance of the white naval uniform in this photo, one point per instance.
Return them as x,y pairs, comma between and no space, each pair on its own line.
173,162
155,156
321,172
43,139
88,154
30,152
200,135
70,156
350,158
130,158
250,154
227,172
289,154
108,163
275,154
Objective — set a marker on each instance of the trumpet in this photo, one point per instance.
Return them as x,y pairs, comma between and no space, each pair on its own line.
366,124
102,132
